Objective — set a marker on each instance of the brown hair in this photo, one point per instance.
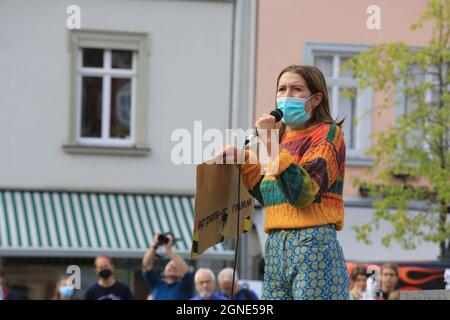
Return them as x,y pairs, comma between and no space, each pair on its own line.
359,270
110,260
390,266
56,293
316,83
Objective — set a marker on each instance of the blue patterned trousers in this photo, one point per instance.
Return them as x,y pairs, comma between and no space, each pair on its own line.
305,264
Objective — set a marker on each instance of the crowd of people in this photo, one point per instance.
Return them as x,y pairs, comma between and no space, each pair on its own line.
179,282
366,288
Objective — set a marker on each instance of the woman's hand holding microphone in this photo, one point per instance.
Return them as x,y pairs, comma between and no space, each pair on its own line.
264,126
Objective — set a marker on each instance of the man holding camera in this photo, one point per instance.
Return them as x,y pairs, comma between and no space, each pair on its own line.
176,282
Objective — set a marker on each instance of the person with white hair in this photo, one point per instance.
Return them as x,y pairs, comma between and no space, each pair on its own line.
226,284
205,283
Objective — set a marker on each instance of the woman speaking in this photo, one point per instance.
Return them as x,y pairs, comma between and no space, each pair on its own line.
302,197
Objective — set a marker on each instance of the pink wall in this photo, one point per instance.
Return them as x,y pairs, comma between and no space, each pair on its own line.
285,25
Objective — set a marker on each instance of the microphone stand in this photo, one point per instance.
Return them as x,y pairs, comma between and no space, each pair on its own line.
278,114
242,157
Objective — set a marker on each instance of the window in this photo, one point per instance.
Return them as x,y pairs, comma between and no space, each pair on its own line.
109,84
338,83
329,59
106,96
408,103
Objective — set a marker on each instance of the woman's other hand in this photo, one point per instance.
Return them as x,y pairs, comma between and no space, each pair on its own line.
228,155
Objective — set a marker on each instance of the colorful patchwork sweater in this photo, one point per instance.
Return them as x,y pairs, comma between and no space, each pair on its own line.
306,188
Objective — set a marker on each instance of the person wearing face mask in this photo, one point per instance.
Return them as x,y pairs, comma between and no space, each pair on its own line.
205,283
301,190
176,283
64,290
107,287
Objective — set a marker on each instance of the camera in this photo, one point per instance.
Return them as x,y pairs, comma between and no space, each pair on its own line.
163,239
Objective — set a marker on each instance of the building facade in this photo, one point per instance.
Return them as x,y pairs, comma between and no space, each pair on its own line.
88,114
326,33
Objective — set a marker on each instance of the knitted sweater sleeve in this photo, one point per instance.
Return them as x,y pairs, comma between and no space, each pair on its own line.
320,166
251,176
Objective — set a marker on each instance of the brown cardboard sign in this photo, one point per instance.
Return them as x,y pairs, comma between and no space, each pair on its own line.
216,206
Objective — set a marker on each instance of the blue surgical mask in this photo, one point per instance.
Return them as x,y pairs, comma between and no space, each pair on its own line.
66,291
294,113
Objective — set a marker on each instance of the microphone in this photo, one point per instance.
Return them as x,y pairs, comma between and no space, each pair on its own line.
277,113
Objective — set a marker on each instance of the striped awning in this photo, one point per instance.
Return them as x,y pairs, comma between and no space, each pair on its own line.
73,224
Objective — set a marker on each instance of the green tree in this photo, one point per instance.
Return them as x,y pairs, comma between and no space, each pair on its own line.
412,157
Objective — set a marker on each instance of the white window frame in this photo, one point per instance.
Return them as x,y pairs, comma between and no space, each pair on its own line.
106,73
109,40
355,156
400,101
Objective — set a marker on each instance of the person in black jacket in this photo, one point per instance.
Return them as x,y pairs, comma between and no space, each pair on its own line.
107,287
